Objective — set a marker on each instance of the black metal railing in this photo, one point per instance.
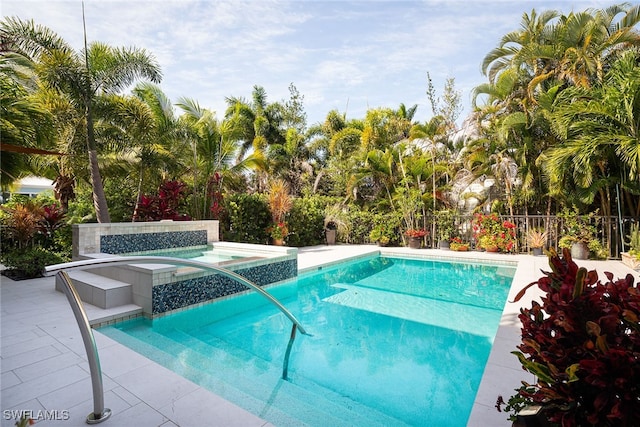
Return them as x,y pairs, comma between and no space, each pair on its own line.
612,231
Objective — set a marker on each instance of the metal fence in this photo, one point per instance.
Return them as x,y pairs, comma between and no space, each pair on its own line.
612,231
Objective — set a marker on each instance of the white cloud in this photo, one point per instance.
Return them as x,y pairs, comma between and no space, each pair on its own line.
365,53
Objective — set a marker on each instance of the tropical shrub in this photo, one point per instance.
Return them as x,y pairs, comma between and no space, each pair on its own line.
490,231
31,223
361,223
20,223
577,228
582,344
444,224
416,232
27,263
246,219
306,221
280,202
386,229
163,205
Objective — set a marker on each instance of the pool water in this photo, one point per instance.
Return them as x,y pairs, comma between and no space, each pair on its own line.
394,342
204,254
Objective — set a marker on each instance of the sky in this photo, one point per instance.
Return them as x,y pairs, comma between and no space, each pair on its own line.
339,54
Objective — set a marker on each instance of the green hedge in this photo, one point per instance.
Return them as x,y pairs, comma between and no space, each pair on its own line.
246,219
28,263
306,221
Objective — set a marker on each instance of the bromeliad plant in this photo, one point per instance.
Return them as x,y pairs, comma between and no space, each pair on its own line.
583,345
416,232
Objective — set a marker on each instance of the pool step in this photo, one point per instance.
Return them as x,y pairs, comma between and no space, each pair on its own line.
260,389
98,290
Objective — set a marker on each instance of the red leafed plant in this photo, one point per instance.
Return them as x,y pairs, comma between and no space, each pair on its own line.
163,206
583,346
415,232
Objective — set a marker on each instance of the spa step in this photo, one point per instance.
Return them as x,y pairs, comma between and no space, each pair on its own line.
99,290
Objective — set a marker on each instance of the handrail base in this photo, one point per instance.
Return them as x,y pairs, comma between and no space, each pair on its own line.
93,419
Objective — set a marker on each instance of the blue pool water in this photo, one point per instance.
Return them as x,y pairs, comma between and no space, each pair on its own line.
203,254
394,342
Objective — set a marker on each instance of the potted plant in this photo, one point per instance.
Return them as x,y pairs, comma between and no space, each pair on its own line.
493,234
632,258
278,232
536,240
415,235
581,342
457,244
335,223
579,234
331,231
280,204
382,234
444,226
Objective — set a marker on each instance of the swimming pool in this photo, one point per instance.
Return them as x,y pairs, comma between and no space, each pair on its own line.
395,342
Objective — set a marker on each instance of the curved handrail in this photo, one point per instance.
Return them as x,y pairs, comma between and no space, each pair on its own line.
120,260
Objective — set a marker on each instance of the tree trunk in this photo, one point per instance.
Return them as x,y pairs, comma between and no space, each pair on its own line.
99,199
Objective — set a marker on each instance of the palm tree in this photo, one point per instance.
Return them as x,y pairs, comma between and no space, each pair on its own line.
575,48
144,132
84,76
26,125
602,129
526,49
291,160
259,121
215,145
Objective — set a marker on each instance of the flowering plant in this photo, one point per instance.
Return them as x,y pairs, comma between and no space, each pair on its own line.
382,233
456,244
491,232
415,232
278,230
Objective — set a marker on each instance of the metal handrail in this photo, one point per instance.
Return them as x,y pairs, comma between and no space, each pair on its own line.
120,260
100,413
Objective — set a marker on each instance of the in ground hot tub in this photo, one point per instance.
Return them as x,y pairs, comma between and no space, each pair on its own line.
160,288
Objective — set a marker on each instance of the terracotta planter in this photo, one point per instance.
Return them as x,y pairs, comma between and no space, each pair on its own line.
492,249
579,250
278,242
415,242
630,261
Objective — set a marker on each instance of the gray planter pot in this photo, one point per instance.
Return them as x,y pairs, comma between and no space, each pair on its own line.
443,244
415,242
536,251
579,250
331,236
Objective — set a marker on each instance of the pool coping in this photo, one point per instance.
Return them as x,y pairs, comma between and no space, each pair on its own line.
44,364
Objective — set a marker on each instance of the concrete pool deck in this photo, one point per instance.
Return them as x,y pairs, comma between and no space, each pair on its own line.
44,368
